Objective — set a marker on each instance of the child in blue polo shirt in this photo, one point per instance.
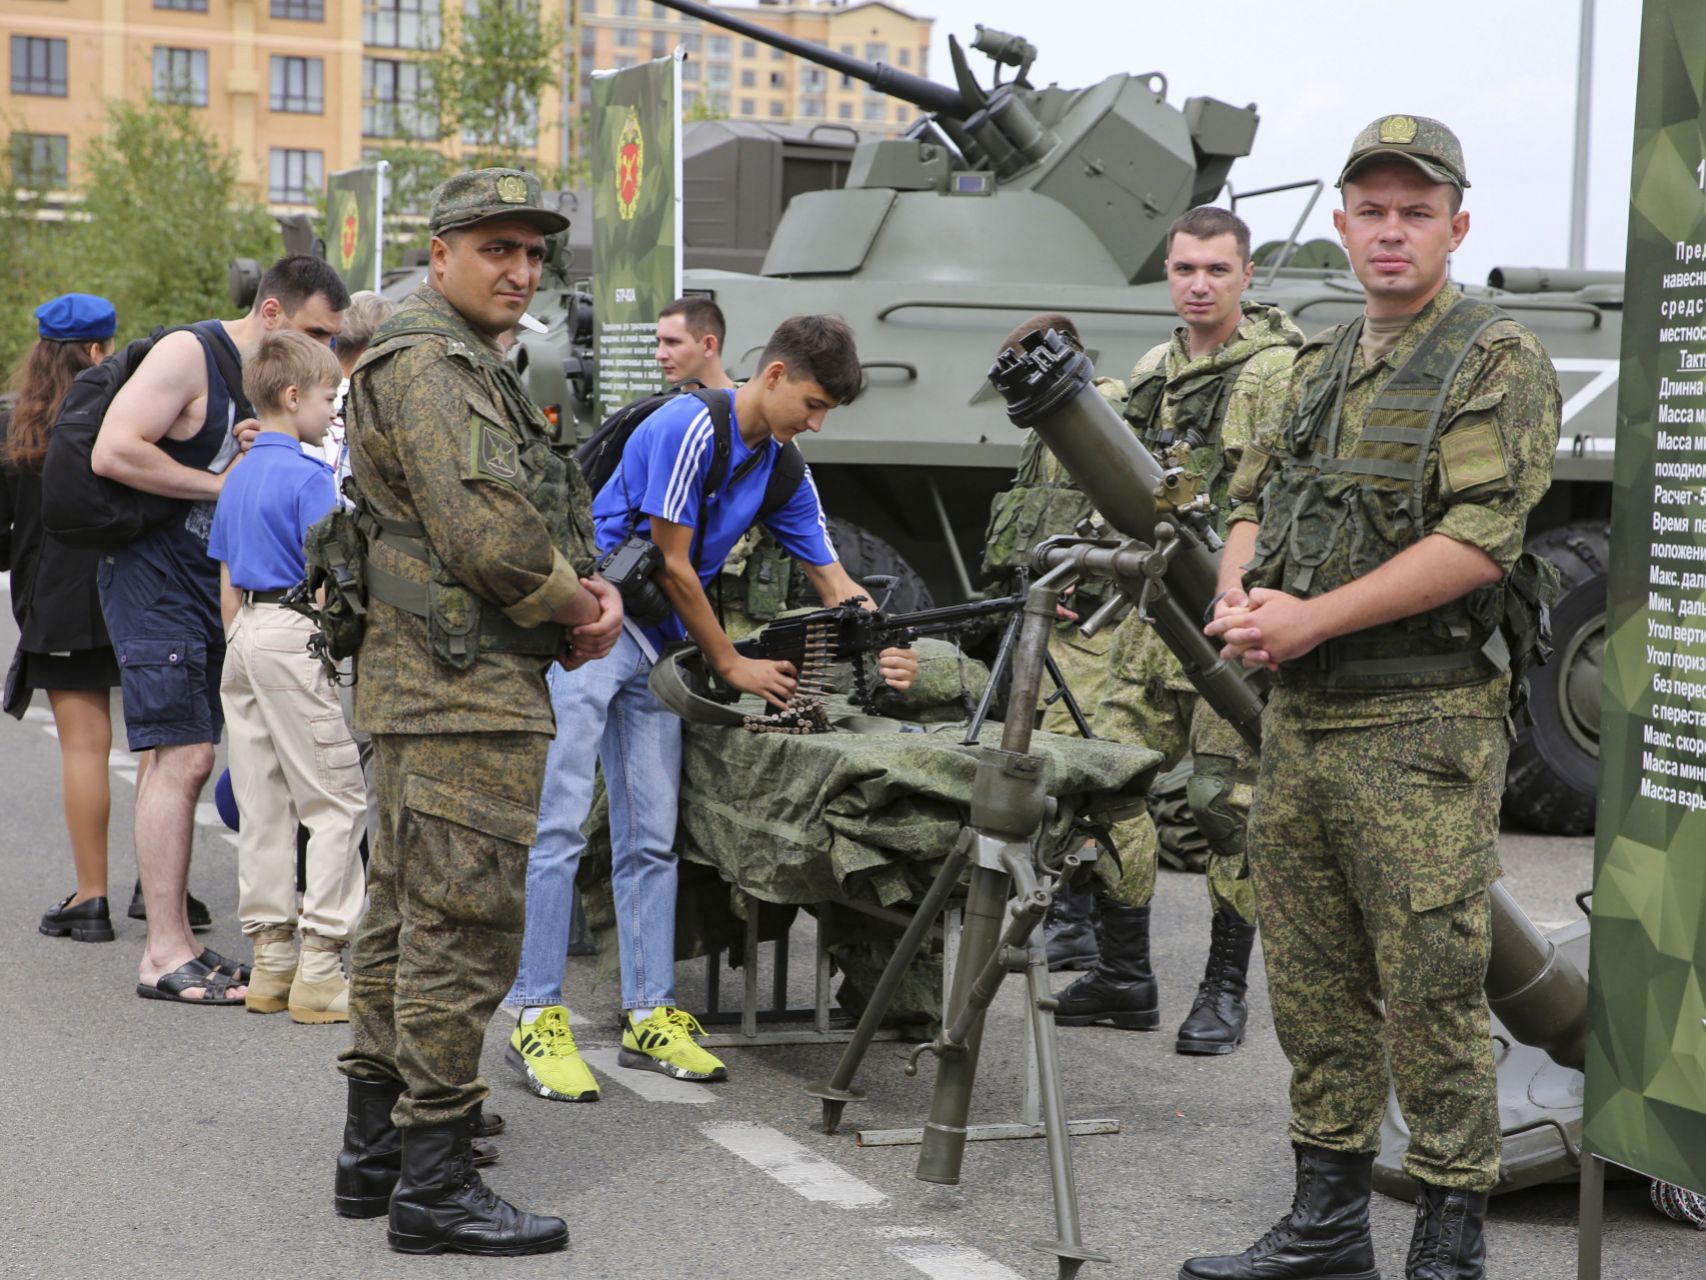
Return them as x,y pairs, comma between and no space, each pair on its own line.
291,754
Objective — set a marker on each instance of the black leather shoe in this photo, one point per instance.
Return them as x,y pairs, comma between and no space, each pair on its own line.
200,916
1121,988
1324,1237
372,1155
1068,936
1215,1023
1448,1243
88,921
441,1204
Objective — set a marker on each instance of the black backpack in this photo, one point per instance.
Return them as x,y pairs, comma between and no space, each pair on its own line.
602,453
82,509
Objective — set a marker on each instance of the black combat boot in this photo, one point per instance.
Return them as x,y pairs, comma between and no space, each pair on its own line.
1448,1244
442,1205
1121,988
373,1150
1068,936
1216,1021
1324,1237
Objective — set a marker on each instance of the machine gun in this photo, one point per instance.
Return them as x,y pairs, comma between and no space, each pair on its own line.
814,642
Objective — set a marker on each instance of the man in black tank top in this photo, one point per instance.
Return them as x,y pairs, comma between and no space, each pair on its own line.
175,429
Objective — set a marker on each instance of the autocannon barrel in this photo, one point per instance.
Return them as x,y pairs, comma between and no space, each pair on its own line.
922,93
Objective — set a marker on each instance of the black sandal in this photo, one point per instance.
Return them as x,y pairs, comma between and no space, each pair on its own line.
239,973
215,987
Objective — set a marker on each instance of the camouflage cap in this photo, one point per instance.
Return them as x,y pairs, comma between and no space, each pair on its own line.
1425,143
479,194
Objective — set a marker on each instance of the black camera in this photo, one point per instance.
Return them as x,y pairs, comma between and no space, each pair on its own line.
631,567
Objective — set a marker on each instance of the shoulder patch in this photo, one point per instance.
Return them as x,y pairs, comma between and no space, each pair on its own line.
493,454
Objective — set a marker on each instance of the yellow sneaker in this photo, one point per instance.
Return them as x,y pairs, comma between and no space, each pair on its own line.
543,1052
664,1043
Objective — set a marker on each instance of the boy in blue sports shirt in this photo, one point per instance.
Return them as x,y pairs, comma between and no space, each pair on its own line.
291,753
606,714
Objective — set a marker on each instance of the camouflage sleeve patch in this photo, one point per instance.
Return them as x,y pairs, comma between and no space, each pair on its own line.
1471,458
493,453
1252,471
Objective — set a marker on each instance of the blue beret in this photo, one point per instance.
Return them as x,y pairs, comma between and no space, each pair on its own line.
225,800
77,317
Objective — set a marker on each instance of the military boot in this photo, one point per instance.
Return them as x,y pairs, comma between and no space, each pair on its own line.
1216,1021
1447,1243
1068,936
373,1150
1121,988
442,1205
1324,1237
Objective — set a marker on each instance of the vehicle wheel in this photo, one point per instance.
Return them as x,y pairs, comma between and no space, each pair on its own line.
1554,765
863,555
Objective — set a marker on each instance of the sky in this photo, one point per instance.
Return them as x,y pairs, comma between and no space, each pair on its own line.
1501,73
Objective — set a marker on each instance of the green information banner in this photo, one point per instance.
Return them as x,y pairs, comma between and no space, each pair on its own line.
1646,1056
636,222
355,237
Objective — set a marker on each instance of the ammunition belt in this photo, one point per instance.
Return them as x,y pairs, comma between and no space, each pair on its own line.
805,712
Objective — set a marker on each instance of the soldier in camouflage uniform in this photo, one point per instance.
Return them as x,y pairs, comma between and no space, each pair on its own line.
1388,588
477,570
1196,402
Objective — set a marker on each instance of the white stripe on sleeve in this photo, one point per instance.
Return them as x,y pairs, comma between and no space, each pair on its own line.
686,469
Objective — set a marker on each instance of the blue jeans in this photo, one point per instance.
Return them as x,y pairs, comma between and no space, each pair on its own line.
606,714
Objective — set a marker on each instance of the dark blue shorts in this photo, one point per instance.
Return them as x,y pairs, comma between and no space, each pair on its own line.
170,652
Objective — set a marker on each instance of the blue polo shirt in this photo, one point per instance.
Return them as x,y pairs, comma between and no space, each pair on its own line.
662,473
265,510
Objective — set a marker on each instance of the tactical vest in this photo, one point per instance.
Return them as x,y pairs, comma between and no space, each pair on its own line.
460,625
1036,507
1199,407
1327,520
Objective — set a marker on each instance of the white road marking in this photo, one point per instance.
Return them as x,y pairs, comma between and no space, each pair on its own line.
948,1261
907,1233
796,1168
648,1084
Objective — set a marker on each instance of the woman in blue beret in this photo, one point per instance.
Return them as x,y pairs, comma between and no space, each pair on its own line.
62,648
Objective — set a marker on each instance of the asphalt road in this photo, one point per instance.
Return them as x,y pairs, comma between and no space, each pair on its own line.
155,1140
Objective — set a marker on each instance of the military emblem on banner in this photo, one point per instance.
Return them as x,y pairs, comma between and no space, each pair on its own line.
630,165
346,221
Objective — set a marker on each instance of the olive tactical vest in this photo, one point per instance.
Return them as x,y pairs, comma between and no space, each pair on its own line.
521,450
1327,520
1199,406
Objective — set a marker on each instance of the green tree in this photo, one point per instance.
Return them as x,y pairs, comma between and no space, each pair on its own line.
35,264
162,219
497,63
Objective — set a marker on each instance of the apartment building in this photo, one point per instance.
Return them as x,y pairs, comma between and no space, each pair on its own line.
295,89
729,75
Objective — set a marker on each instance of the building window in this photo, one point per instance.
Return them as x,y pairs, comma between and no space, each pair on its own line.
748,107
294,177
777,54
627,8
811,108
718,75
589,6
627,37
400,24
624,61
778,80
689,99
180,75
905,55
811,79
183,6
749,48
902,114
847,49
876,109
589,42
38,66
778,109
660,43
844,110
660,13
877,51
718,47
718,103
690,70
300,10
749,79
847,82
690,41
391,94
299,84
40,161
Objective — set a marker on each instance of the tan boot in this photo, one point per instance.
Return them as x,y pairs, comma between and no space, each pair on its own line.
320,992
274,969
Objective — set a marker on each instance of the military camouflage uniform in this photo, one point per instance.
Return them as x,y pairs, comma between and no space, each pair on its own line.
1145,697
1374,835
442,434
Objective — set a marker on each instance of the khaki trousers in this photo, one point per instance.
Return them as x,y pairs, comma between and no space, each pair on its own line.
292,759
